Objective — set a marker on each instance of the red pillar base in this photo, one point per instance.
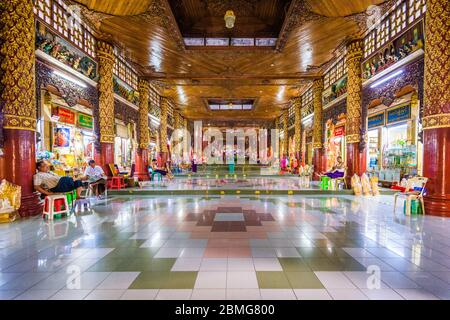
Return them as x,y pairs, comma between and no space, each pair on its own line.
356,161
317,163
141,165
20,166
106,157
162,158
436,167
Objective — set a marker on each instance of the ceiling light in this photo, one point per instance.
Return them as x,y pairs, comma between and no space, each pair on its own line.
69,78
272,65
389,77
229,18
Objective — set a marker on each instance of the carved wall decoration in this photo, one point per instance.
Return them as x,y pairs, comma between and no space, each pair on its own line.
299,13
436,111
413,75
285,119
333,112
159,13
317,124
64,52
353,127
127,114
364,19
17,38
105,54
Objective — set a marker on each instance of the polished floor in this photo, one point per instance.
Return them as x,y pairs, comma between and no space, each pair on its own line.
228,247
230,182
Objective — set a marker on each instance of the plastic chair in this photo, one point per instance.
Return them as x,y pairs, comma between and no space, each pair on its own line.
416,182
342,179
55,205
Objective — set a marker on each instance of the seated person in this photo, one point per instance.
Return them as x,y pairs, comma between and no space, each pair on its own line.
162,171
48,183
96,178
337,171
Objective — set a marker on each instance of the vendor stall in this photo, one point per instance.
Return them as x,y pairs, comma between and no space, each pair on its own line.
67,137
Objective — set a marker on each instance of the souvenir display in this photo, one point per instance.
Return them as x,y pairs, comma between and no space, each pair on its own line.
374,185
356,185
10,195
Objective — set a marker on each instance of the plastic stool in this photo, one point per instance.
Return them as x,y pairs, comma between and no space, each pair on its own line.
81,204
158,176
117,183
71,197
55,205
324,182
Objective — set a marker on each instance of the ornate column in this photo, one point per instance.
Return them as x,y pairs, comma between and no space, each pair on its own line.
318,158
356,152
286,135
18,100
163,150
144,138
298,128
436,109
105,56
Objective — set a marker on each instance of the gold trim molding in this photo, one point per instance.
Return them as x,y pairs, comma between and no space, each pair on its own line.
436,121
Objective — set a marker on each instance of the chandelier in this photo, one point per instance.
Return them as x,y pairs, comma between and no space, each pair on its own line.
229,18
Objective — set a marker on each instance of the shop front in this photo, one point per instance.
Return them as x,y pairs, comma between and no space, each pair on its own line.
335,141
67,139
124,146
394,149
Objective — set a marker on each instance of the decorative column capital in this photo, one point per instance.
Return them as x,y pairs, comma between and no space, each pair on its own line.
17,38
355,50
436,109
105,51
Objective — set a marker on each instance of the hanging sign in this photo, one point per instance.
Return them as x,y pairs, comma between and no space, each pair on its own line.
339,131
64,115
376,120
400,113
85,121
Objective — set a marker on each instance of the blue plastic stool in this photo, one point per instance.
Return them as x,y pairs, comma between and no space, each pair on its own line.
158,176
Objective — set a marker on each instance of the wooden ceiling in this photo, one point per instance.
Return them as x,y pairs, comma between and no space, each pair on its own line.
309,33
257,18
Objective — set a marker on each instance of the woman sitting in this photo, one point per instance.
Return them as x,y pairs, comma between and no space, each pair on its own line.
165,171
338,171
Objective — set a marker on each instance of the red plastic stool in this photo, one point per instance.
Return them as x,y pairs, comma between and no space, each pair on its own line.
117,183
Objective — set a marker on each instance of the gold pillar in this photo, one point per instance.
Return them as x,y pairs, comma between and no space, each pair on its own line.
317,103
144,92
17,36
319,158
298,126
105,56
436,113
354,88
176,120
163,125
356,157
286,135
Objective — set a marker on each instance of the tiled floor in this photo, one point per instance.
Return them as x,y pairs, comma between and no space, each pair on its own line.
229,247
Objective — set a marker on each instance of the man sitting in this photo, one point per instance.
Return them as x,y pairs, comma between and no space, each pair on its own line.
48,183
96,177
